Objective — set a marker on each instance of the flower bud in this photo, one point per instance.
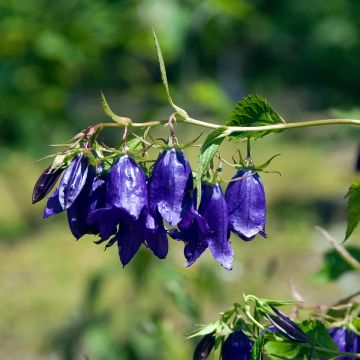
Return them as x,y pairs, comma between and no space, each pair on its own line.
204,347
45,183
246,202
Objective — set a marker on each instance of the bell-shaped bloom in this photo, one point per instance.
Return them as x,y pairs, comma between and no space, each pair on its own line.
91,197
206,227
204,347
237,347
346,340
213,209
170,181
45,183
286,326
125,211
246,202
73,181
71,184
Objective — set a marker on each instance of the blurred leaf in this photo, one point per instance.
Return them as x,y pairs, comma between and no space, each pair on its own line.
204,330
207,153
335,266
178,109
119,119
282,350
353,207
253,110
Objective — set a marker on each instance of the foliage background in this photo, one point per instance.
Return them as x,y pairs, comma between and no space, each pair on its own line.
63,300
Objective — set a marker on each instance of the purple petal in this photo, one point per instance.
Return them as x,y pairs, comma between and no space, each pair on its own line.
156,238
214,210
171,179
53,206
237,347
106,220
346,340
130,236
73,180
45,183
247,205
126,187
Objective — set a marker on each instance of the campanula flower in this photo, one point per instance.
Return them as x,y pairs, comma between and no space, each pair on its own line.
91,197
45,183
204,347
170,181
286,326
246,202
237,347
206,227
70,186
346,340
156,235
126,207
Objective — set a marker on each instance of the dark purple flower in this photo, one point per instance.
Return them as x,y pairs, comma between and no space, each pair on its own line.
156,235
237,347
346,340
45,183
73,180
286,326
125,212
170,181
246,202
91,197
204,347
214,210
206,228
70,186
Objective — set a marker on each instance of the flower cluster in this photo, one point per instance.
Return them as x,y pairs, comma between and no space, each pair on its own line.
124,206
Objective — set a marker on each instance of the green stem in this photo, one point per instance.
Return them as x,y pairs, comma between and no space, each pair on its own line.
318,348
231,129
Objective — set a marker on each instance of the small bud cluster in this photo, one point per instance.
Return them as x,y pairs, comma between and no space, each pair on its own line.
124,206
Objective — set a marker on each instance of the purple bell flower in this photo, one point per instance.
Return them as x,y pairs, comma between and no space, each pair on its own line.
156,236
45,183
237,347
246,202
91,197
126,207
346,340
70,186
171,179
206,228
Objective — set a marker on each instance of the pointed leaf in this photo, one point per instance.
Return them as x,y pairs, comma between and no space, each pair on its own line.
253,110
119,119
353,208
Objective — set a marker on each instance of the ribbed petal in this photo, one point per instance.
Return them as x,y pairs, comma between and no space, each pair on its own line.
170,180
130,236
73,181
126,187
45,183
346,340
90,197
237,347
247,205
214,210
53,206
156,238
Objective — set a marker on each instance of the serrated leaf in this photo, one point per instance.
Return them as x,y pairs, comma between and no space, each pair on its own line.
207,153
107,110
178,109
353,208
335,266
253,110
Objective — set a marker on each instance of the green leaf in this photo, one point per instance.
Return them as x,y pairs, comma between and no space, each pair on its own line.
335,266
207,153
283,350
119,119
253,110
178,109
257,350
353,208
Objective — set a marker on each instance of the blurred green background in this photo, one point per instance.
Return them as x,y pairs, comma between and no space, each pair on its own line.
61,299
